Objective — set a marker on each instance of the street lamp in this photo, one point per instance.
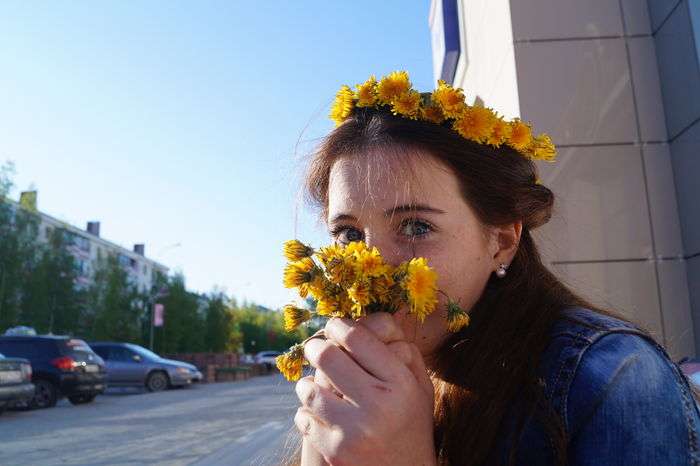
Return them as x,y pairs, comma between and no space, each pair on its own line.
162,292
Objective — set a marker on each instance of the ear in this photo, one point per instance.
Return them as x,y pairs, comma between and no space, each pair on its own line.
504,243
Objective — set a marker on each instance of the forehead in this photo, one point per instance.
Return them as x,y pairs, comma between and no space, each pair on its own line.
382,180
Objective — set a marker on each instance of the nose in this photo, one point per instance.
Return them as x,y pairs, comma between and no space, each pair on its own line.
390,251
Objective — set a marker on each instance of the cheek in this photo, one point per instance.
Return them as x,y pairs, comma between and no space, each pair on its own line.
462,271
462,276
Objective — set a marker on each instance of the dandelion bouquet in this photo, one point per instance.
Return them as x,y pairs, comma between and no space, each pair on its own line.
353,281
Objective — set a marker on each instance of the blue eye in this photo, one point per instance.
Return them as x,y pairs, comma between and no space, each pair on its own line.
346,234
413,228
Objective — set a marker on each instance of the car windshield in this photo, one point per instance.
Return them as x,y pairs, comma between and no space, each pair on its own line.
143,351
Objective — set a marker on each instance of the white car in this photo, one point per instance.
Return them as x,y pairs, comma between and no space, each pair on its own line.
267,358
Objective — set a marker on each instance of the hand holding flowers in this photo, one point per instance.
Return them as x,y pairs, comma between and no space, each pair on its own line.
353,282
375,402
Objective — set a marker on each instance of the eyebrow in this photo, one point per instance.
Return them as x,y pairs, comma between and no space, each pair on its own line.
343,217
393,211
412,208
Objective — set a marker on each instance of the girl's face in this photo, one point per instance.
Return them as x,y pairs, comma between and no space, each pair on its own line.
415,210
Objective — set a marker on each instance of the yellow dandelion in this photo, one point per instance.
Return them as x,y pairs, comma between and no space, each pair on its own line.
370,262
299,272
317,287
357,311
381,287
476,124
342,271
327,306
449,99
407,105
291,363
457,318
500,133
294,317
433,113
520,136
343,105
542,148
295,250
366,93
354,247
345,306
359,293
392,86
420,285
328,254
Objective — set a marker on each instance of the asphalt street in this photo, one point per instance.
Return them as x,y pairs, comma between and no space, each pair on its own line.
235,423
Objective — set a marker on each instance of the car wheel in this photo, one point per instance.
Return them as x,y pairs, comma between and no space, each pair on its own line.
81,399
45,394
157,381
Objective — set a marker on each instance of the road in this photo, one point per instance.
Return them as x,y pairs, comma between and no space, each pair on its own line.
235,423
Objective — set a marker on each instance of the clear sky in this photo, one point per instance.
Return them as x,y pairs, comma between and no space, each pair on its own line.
178,122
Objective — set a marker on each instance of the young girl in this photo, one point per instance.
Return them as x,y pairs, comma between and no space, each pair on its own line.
539,376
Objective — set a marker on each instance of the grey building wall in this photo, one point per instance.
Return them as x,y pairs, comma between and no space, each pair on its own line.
676,28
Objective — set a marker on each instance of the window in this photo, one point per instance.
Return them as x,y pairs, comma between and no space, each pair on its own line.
118,353
102,351
124,260
30,349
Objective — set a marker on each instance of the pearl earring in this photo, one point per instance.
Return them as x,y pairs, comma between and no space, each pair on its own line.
501,271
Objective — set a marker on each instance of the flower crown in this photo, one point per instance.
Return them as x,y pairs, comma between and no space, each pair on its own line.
445,105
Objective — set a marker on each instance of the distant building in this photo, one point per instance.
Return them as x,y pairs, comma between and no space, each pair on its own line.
87,247
617,86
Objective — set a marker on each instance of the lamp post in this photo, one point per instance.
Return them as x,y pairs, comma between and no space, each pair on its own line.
162,292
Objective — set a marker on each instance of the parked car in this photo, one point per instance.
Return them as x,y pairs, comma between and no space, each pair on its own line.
134,365
267,358
15,382
61,366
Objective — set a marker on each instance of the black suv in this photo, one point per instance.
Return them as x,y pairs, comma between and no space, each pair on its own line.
61,366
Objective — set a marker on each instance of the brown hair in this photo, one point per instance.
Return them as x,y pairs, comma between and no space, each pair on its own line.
482,369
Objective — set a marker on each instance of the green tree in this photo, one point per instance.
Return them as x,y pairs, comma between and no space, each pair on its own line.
51,301
183,329
113,301
218,324
18,245
263,329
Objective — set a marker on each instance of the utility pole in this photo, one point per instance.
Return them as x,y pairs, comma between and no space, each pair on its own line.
161,293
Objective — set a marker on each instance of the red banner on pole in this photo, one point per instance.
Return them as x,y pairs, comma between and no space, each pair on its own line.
158,315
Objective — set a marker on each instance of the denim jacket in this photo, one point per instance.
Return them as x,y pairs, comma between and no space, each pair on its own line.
621,400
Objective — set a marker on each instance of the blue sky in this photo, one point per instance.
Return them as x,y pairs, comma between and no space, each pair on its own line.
179,122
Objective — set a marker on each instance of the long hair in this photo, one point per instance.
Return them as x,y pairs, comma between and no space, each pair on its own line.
481,370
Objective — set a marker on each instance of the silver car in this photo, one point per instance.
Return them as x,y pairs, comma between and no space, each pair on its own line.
130,365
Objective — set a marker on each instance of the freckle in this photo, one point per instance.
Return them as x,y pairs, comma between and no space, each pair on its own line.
384,389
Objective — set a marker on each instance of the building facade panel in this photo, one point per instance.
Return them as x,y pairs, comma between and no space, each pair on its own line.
601,211
580,91
629,288
678,68
555,19
663,206
675,302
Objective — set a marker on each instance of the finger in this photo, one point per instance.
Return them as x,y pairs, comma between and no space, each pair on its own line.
366,349
321,436
402,351
345,375
321,401
420,372
384,327
322,379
